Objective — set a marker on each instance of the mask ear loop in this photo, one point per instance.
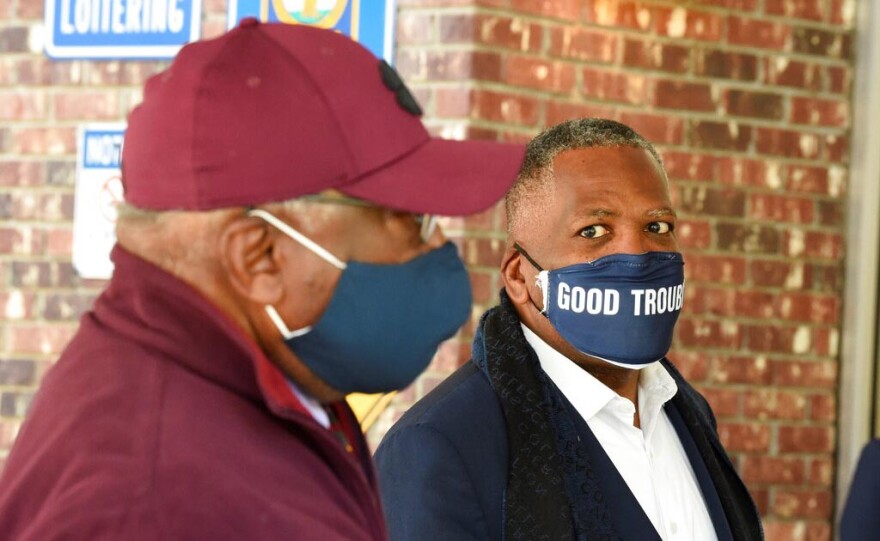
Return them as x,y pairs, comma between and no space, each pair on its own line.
319,250
542,280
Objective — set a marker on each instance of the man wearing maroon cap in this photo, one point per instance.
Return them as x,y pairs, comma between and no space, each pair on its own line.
275,252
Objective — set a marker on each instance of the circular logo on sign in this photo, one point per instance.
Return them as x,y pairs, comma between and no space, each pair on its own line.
320,13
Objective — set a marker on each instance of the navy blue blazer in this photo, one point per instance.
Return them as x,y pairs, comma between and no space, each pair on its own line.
443,467
861,515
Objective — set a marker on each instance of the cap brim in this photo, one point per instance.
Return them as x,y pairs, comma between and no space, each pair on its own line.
449,178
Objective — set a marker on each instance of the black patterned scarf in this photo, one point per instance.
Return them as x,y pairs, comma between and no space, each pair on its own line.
551,491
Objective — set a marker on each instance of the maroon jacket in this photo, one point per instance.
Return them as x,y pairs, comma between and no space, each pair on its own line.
162,420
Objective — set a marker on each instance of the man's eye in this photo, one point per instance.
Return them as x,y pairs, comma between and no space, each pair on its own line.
661,228
594,231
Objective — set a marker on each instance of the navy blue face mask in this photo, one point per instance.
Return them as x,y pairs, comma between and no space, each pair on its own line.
619,308
384,322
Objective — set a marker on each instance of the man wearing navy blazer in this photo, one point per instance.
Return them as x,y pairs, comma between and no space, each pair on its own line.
569,422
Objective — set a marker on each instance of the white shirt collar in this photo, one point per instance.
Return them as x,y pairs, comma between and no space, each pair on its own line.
588,395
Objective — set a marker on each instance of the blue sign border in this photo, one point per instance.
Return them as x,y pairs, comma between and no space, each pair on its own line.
149,46
375,24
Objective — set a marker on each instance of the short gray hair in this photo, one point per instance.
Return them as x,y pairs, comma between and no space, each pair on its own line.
537,167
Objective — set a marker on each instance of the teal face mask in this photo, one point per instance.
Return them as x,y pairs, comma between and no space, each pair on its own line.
384,322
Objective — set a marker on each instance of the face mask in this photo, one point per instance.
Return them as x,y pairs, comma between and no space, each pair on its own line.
384,322
619,308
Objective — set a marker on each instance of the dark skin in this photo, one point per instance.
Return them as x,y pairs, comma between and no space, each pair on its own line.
252,264
611,200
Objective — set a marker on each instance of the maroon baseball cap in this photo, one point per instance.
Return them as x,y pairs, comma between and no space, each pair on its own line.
269,112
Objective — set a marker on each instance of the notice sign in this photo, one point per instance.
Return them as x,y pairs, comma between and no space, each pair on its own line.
369,22
120,28
98,190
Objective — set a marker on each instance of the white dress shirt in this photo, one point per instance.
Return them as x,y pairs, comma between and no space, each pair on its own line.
651,459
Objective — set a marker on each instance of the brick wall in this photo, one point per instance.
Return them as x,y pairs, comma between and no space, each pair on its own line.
748,100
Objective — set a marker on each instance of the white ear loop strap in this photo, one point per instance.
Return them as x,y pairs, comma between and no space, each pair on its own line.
282,327
543,281
299,237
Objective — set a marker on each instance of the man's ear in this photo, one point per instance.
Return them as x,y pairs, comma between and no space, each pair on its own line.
512,276
247,249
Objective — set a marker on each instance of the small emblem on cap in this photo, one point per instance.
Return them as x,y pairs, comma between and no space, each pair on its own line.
404,97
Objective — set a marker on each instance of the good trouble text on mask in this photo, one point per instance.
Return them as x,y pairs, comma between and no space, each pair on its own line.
594,301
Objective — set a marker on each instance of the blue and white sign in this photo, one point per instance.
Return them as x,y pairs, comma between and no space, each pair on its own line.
98,191
369,22
113,29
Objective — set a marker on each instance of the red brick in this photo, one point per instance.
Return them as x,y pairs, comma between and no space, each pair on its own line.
823,407
17,372
729,135
86,106
789,143
771,404
747,437
781,208
830,213
815,41
693,234
755,304
724,402
569,10
706,201
516,34
22,173
574,43
799,9
560,111
45,141
814,308
22,106
748,172
776,339
715,269
538,74
814,244
654,55
683,95
806,439
749,370
414,27
721,64
773,470
807,179
30,10
802,503
689,166
739,5
659,129
483,252
693,365
753,104
705,300
693,332
782,71
38,338
620,13
757,33
605,85
827,341
821,471
679,22
839,79
13,39
837,148
743,238
819,111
